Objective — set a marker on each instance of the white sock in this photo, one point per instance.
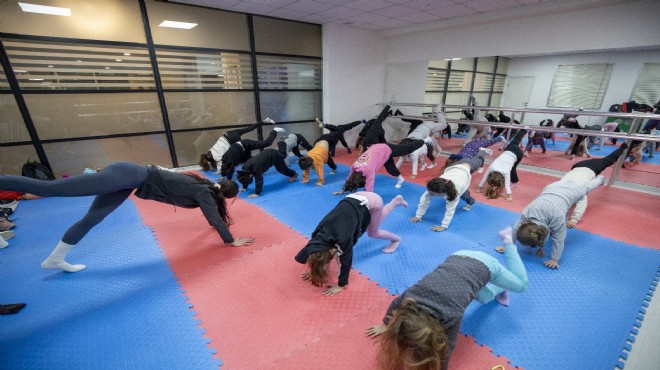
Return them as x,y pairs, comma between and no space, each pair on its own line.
400,182
3,243
56,259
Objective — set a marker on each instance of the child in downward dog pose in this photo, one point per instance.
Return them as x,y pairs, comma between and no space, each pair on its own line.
241,151
417,157
471,149
210,159
363,170
319,155
502,172
453,185
585,171
343,128
547,215
421,326
114,184
292,144
338,232
256,166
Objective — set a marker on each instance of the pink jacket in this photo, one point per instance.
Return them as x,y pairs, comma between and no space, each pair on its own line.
370,161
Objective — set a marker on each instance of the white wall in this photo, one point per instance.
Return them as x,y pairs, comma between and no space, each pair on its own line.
406,81
353,73
627,66
628,25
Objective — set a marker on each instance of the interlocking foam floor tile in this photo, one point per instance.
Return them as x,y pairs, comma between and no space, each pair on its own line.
110,315
584,284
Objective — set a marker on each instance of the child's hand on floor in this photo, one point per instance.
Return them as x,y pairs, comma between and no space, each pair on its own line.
332,290
551,264
415,219
375,331
438,228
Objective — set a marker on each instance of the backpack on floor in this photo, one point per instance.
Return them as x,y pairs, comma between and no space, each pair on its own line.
37,170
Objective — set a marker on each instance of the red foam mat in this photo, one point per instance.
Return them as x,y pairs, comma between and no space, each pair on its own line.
254,306
624,215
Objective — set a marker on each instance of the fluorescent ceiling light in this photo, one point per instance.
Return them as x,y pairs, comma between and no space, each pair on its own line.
42,9
174,24
454,59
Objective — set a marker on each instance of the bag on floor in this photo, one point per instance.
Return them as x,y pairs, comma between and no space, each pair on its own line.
37,170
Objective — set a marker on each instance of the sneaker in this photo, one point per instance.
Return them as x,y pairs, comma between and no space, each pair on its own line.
431,165
423,167
269,121
486,150
503,298
6,235
467,207
279,129
480,170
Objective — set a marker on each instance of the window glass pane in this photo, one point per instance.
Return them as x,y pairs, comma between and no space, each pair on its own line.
502,65
288,73
456,99
459,81
482,98
579,86
204,70
495,99
51,65
291,105
116,20
204,109
12,158
435,80
486,64
63,116
647,87
4,84
442,64
483,82
433,98
12,127
215,29
74,156
466,64
286,37
499,83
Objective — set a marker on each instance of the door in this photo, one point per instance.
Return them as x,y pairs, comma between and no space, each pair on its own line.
517,92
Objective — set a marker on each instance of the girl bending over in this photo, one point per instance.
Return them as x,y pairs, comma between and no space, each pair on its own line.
502,172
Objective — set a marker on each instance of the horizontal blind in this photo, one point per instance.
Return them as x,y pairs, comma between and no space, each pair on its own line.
435,80
459,81
647,87
46,65
579,86
483,81
281,73
499,83
204,70
4,84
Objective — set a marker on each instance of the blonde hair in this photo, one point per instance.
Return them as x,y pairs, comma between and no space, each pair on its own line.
413,340
495,185
532,235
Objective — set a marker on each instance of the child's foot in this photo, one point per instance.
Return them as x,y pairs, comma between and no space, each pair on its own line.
279,129
467,207
399,201
431,165
400,182
503,298
423,167
480,170
486,150
8,234
526,153
61,265
392,247
507,235
269,121
293,178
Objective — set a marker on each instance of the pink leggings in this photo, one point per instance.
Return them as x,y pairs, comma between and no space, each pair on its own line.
378,214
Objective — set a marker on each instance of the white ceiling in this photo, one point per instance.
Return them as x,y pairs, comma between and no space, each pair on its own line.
393,15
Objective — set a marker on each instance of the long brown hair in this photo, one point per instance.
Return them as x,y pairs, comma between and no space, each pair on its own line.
448,163
532,235
442,186
495,181
318,266
355,181
207,162
222,190
413,340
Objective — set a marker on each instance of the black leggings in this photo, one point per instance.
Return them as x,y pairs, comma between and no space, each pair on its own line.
514,147
112,186
399,150
376,133
234,136
598,165
578,141
343,128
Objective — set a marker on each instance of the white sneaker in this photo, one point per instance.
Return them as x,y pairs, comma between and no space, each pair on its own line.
431,165
423,167
279,129
480,170
486,150
6,235
269,121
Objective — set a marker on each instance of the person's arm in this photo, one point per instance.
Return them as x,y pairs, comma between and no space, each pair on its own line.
210,211
414,159
258,183
305,176
320,171
424,202
558,235
507,183
370,178
449,212
228,173
485,177
452,336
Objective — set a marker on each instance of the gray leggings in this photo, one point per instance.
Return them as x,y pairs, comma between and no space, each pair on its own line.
112,186
474,162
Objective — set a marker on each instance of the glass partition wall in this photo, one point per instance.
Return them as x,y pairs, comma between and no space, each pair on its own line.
112,81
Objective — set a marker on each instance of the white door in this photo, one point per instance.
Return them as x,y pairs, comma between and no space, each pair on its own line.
517,92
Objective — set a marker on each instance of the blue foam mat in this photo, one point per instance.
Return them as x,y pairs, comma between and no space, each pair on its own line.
578,317
126,310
